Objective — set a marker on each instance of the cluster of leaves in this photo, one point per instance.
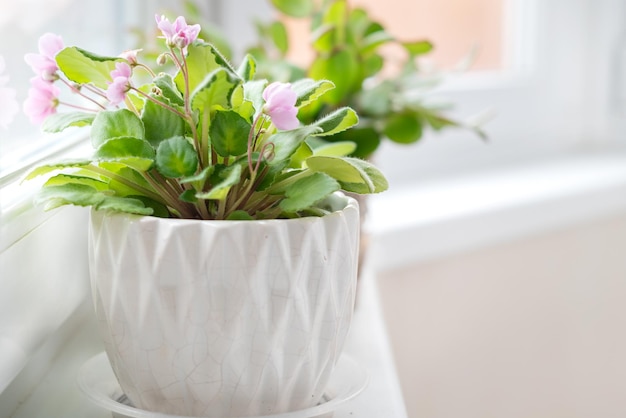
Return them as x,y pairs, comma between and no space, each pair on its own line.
198,144
347,42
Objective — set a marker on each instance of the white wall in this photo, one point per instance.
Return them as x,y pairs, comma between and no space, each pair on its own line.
534,327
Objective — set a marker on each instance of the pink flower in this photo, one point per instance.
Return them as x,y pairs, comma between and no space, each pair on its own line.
42,100
179,33
8,104
280,105
44,64
130,56
120,85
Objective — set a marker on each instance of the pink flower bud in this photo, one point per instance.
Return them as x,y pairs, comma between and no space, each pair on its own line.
178,34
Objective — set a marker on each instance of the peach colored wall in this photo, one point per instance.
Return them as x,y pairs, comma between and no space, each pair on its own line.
533,328
454,26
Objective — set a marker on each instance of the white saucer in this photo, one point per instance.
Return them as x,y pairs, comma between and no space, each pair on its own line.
97,381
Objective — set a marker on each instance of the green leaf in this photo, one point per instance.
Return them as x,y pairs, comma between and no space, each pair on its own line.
374,40
367,140
176,157
303,152
84,67
372,65
115,123
201,177
418,47
124,204
61,179
68,194
375,176
229,133
127,173
403,128
133,152
355,175
60,165
60,121
309,90
247,69
278,33
335,149
253,91
307,191
214,90
168,88
338,121
342,68
286,143
323,38
294,8
188,196
376,100
160,123
202,59
226,177
239,215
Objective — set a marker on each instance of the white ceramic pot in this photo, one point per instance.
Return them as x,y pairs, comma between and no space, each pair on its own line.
224,318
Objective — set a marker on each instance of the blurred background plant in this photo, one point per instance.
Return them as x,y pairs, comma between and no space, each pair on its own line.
374,73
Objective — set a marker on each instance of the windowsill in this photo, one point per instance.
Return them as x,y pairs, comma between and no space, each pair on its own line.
441,218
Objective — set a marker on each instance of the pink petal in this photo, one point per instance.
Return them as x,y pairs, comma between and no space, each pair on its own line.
50,45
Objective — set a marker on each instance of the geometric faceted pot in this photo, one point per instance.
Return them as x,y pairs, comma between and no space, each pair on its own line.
224,318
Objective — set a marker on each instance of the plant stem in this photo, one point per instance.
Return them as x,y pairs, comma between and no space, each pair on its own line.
126,182
166,106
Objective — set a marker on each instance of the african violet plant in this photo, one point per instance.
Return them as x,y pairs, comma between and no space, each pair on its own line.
347,43
206,142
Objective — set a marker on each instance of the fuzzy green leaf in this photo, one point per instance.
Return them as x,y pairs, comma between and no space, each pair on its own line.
84,67
253,91
375,176
110,124
338,121
54,196
309,90
215,89
61,179
60,165
335,149
247,69
286,143
303,152
133,152
294,8
60,121
227,177
307,191
176,157
124,204
160,123
354,175
168,88
229,133
202,59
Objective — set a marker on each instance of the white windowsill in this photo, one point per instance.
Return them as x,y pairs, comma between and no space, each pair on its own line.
441,218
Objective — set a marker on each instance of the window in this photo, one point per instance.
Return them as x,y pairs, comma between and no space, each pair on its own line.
96,26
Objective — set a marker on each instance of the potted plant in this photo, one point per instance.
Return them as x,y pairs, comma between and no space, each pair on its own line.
222,254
